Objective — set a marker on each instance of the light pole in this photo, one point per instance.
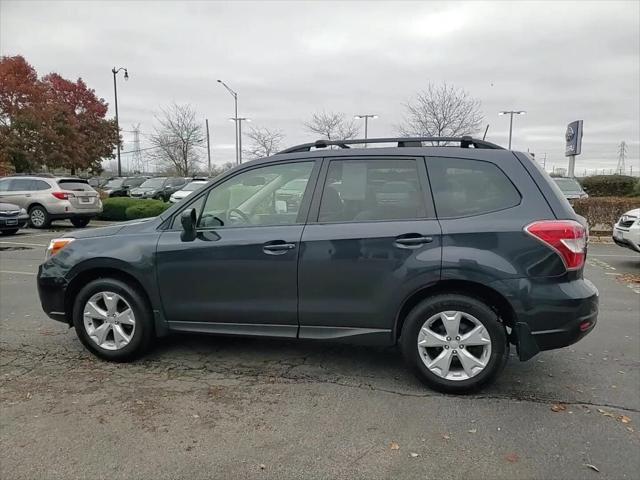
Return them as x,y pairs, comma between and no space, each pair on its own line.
511,113
239,121
235,100
366,117
115,95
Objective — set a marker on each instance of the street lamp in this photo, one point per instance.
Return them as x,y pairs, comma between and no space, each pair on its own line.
115,94
235,100
366,117
239,121
511,113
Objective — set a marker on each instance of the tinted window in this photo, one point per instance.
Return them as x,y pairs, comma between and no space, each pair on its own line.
134,182
369,190
469,187
254,197
77,185
153,182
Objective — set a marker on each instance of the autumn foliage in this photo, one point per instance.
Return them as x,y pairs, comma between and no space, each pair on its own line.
51,121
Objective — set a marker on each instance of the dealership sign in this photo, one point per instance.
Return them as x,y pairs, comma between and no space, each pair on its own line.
573,138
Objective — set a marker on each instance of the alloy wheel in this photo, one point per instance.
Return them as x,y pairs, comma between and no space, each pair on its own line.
454,345
37,217
109,320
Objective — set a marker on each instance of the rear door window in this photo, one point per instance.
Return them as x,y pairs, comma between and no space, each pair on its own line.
372,190
464,187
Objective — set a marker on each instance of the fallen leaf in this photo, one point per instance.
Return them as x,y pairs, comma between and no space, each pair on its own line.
630,429
473,430
195,415
624,419
414,454
512,457
592,467
558,407
394,446
446,436
605,413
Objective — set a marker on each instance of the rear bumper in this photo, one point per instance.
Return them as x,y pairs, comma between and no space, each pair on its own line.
550,313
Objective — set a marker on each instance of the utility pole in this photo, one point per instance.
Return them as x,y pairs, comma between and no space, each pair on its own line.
208,147
137,155
115,95
366,117
511,113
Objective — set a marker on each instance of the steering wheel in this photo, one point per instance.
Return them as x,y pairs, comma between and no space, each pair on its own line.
240,213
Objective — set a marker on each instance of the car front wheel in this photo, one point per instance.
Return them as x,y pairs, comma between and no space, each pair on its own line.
113,320
454,343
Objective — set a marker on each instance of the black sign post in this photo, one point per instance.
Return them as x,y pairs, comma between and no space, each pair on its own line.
573,146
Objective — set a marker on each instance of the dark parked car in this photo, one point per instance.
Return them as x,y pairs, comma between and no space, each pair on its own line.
12,218
455,253
120,186
159,188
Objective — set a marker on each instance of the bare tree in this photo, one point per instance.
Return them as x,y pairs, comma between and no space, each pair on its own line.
332,126
441,111
264,142
176,139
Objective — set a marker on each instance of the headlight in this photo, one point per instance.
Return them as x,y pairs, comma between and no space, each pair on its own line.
56,245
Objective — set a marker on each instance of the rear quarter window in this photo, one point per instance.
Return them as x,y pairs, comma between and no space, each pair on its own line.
465,187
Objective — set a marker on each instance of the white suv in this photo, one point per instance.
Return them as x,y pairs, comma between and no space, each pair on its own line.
48,198
626,232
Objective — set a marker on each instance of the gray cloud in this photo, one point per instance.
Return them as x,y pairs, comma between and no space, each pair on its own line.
559,61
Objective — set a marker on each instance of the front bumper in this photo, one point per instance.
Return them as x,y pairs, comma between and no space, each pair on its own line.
627,237
51,290
9,223
550,313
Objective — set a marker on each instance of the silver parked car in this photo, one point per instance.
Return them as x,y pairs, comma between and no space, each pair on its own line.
48,198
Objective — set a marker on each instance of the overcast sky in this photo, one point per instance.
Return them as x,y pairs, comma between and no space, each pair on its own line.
559,61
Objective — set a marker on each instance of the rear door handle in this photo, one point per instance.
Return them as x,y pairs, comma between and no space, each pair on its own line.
277,247
413,240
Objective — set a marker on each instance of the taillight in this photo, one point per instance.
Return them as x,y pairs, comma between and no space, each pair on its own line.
567,237
62,195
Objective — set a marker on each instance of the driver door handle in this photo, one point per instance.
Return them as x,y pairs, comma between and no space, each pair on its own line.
277,247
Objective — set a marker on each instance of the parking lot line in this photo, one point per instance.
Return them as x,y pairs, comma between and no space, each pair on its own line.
16,273
24,243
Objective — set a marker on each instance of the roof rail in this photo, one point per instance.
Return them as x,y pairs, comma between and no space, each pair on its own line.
464,141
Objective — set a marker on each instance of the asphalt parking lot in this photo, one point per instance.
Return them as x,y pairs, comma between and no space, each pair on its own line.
214,407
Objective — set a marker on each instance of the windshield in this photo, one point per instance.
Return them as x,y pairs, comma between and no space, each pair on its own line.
153,183
193,186
568,184
115,183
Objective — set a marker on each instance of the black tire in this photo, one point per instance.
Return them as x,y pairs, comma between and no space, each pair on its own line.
461,303
40,214
144,329
11,231
80,222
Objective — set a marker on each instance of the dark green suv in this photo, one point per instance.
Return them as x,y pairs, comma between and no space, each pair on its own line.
455,253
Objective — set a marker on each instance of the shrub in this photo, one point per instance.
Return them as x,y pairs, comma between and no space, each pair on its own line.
636,189
146,209
604,211
125,208
609,185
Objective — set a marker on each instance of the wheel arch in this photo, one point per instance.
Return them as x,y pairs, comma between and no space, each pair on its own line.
93,273
483,293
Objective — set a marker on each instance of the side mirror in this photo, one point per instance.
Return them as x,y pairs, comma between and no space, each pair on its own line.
188,221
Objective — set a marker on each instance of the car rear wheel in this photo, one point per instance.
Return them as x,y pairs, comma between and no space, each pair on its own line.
80,222
454,343
11,231
39,217
112,320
